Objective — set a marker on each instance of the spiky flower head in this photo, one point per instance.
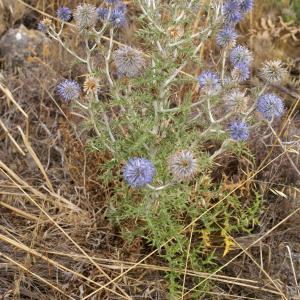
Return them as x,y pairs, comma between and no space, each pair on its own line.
91,85
102,13
246,5
117,17
44,25
138,172
241,73
239,130
270,106
274,72
69,90
183,165
237,101
64,13
112,1
226,37
240,55
231,12
129,62
210,82
85,16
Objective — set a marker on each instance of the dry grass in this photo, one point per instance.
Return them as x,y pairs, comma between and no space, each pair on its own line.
55,240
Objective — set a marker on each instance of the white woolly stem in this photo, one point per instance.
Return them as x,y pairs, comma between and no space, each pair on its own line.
158,188
107,58
106,122
223,65
220,151
150,19
58,39
210,112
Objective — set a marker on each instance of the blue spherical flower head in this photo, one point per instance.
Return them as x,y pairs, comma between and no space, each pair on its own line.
42,26
117,18
64,13
69,90
241,73
226,37
102,13
240,55
139,172
112,1
270,106
210,82
246,5
231,12
239,131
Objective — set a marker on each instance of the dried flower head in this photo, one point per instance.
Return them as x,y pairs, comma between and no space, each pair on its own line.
209,82
237,101
239,131
240,73
64,13
183,165
85,16
91,85
44,25
69,90
274,72
129,62
226,37
231,12
138,172
270,106
240,55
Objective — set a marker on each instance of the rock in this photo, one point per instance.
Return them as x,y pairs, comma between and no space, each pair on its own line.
18,44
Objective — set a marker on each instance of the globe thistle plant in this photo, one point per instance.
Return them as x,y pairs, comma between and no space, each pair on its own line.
239,131
226,37
240,55
139,172
273,72
210,82
85,16
69,90
270,106
64,14
183,165
129,62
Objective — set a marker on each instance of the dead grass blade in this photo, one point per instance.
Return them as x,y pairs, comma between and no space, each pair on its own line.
25,269
36,159
67,236
11,138
27,249
10,97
